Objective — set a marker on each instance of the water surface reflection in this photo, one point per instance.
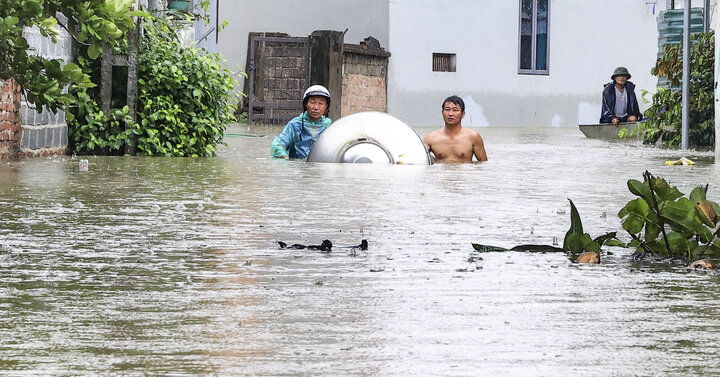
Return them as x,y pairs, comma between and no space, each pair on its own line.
169,266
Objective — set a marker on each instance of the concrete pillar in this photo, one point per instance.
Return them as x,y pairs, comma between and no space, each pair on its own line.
326,59
110,60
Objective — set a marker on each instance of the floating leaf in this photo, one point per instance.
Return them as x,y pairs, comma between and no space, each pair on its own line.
537,248
487,248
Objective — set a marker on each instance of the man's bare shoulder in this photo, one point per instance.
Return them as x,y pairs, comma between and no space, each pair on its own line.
477,137
470,132
434,135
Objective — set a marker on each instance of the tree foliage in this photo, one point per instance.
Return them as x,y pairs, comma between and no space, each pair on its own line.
89,22
664,117
185,100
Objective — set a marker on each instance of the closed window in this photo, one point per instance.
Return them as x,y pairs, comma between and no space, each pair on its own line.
443,62
534,15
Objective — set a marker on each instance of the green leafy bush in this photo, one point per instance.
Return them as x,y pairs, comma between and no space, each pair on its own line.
185,97
185,100
664,116
664,222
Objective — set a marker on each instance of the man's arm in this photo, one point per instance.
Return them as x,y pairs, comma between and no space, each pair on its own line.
427,141
479,148
608,113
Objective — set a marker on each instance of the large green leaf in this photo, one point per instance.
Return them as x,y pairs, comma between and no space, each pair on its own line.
652,230
657,247
641,189
682,212
573,243
697,194
576,228
616,242
635,214
588,245
94,51
678,242
664,191
601,240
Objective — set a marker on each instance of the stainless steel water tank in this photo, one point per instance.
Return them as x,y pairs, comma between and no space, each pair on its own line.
370,137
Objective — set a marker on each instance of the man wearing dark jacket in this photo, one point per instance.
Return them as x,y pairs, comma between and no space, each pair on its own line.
619,103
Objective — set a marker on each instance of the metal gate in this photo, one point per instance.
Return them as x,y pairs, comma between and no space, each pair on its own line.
278,73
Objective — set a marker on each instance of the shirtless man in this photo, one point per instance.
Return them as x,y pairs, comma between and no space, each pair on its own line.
455,143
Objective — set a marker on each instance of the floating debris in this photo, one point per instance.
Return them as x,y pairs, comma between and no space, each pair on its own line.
526,248
682,161
702,264
325,246
589,258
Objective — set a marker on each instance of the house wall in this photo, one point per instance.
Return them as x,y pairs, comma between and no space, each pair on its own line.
584,49
362,18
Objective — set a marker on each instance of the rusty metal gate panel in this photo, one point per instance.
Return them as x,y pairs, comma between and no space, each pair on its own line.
278,73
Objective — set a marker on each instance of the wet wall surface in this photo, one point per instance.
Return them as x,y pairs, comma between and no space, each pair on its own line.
170,266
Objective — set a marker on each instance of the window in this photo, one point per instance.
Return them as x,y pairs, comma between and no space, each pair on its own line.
443,62
534,16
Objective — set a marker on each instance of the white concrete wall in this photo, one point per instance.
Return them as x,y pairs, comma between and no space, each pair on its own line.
587,40
362,18
715,25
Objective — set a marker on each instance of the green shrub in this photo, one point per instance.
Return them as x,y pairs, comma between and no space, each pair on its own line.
664,117
185,99
661,220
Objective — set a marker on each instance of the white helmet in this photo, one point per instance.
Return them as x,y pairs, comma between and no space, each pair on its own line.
316,90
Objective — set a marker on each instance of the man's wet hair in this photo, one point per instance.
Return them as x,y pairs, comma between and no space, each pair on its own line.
456,100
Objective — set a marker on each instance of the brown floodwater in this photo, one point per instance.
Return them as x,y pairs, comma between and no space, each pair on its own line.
170,266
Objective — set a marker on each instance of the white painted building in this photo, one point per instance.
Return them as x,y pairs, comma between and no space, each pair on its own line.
481,40
587,39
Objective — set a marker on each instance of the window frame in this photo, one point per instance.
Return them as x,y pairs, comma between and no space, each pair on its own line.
452,61
533,42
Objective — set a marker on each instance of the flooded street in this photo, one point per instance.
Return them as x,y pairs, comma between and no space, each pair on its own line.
170,266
